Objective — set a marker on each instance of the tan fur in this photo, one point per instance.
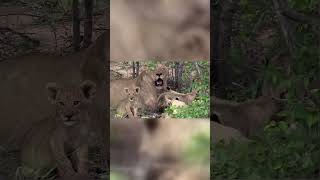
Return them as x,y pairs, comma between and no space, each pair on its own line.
248,117
117,93
162,30
167,98
148,91
160,77
224,133
23,100
130,106
50,142
178,103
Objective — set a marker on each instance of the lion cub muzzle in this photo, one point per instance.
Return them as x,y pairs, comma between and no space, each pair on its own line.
70,119
70,112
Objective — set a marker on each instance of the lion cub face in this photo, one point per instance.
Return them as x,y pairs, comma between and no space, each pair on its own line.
170,98
132,93
70,102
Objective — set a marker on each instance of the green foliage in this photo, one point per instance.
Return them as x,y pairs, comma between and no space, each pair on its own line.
197,109
260,15
294,74
278,153
152,65
66,5
201,83
305,5
198,151
116,176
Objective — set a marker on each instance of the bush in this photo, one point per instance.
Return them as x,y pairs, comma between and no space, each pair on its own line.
197,109
277,153
116,176
200,107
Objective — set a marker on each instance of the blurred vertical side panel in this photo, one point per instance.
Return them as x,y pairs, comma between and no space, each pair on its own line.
37,49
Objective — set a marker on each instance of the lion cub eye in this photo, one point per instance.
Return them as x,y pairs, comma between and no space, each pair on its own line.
76,102
61,103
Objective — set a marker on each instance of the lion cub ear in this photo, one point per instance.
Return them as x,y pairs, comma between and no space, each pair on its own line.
194,91
52,89
88,89
137,90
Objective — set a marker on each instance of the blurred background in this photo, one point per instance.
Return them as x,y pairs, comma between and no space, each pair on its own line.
159,30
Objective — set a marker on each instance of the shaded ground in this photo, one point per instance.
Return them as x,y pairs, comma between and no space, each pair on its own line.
23,30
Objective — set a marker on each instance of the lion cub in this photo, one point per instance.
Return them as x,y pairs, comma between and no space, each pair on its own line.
174,98
131,104
61,141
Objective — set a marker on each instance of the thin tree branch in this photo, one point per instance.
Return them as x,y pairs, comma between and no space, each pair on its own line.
23,35
297,16
21,14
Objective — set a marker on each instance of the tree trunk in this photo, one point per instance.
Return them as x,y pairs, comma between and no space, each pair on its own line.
286,26
133,69
76,25
88,23
222,13
137,69
178,75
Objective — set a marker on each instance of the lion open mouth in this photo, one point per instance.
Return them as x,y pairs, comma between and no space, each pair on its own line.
158,82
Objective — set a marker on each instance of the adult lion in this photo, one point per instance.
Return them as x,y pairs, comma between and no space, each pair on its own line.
151,84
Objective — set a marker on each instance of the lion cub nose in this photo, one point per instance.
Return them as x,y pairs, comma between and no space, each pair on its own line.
131,98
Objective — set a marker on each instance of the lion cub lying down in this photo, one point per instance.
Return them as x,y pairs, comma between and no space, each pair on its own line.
61,141
175,99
